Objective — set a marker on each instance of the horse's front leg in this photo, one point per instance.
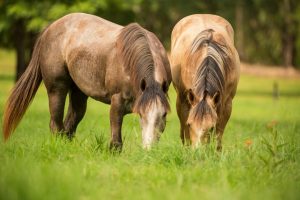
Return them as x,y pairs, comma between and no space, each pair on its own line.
117,111
182,112
221,124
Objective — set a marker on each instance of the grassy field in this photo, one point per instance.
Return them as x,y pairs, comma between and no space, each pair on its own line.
260,158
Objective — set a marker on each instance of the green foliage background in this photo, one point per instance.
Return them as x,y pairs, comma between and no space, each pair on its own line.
260,25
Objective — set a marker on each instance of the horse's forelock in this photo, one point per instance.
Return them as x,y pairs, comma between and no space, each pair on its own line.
151,95
202,112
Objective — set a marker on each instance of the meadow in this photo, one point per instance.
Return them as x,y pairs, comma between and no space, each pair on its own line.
260,157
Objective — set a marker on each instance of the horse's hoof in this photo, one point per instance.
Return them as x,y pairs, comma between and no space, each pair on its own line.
115,147
219,148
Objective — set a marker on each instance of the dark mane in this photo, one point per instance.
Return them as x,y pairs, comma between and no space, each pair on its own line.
210,75
136,54
151,95
134,49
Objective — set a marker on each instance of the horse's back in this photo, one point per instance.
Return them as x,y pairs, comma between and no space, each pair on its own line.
79,30
194,24
79,45
185,32
189,27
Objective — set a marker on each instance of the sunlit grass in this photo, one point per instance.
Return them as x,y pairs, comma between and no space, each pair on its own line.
254,163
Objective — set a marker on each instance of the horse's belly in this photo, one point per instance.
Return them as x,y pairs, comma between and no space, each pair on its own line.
91,81
93,88
104,98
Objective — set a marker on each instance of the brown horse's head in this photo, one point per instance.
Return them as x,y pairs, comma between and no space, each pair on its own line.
146,62
202,117
152,106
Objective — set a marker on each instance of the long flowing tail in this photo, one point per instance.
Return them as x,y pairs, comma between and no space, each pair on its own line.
22,93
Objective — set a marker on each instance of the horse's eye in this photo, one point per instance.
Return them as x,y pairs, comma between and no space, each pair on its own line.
216,99
164,115
143,85
165,87
191,97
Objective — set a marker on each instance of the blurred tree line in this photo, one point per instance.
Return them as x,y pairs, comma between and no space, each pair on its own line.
266,31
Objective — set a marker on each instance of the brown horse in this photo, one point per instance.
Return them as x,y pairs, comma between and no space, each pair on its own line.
86,56
205,72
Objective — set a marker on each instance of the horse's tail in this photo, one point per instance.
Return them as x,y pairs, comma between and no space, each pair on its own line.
22,93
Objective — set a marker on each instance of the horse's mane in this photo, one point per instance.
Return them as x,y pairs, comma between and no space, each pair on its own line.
210,75
134,49
136,53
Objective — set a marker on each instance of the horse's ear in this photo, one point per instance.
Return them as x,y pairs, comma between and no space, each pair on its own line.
143,85
191,97
165,87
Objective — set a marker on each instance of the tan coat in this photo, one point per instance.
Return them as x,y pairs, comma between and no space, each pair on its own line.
202,46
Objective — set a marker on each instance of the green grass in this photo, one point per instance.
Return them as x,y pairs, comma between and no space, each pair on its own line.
36,165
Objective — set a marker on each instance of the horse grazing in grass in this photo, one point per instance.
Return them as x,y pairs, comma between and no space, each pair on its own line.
205,72
86,56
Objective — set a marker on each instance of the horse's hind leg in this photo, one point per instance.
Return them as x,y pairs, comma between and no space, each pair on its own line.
57,98
56,79
76,110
